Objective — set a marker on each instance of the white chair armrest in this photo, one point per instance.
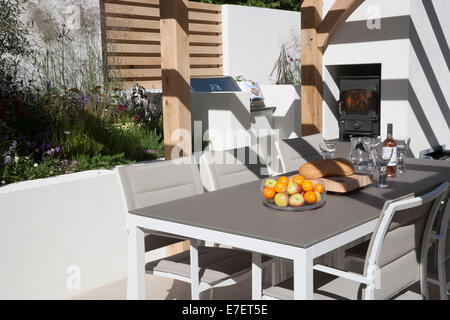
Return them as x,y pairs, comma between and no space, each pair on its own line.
344,274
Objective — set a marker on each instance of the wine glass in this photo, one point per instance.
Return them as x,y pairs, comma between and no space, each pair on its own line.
402,148
383,157
372,143
327,149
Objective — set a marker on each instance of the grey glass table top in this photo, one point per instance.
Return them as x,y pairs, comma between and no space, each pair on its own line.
239,210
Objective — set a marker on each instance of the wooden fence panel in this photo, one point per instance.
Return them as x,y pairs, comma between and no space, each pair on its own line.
131,41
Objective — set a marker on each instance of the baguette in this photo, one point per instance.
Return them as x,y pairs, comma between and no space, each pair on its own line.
326,167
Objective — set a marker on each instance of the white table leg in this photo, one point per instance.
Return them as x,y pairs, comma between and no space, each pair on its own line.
303,276
195,292
136,264
256,276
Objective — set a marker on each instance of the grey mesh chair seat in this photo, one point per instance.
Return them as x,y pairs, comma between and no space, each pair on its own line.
215,264
359,252
328,287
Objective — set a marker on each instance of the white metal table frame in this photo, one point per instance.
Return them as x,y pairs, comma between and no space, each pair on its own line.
302,257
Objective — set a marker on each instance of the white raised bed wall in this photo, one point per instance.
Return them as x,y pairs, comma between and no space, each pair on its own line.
62,236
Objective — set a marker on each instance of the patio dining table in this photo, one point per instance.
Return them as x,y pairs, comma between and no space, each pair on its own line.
236,217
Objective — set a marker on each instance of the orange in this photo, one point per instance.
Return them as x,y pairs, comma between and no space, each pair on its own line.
280,187
298,179
284,180
310,196
319,188
307,186
269,193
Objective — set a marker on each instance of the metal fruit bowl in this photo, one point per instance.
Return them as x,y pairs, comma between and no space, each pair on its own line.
305,207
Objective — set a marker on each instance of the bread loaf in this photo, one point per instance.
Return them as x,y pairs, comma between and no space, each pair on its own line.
326,167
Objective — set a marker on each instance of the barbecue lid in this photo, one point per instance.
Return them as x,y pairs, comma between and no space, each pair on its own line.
214,84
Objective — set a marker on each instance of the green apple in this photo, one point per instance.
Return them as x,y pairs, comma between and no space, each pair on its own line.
293,188
270,183
319,196
296,200
281,199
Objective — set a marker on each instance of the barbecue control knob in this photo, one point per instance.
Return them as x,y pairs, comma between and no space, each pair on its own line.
357,125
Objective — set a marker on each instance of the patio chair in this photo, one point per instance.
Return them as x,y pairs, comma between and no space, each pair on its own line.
292,153
395,259
438,268
146,184
439,253
222,169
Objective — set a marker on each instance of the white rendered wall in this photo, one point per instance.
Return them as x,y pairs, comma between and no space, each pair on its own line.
429,76
252,39
287,115
415,75
355,43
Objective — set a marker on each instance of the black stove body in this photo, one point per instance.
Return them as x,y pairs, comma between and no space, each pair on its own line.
359,106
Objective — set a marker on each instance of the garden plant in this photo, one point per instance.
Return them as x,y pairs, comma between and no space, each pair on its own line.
64,116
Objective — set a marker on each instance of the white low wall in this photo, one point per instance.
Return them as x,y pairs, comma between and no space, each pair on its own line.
54,230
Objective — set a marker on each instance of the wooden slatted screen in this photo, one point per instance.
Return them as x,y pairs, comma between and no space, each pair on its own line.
131,41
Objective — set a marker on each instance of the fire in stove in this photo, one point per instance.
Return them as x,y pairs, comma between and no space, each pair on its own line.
357,102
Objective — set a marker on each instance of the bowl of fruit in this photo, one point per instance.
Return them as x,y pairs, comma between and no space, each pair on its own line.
293,194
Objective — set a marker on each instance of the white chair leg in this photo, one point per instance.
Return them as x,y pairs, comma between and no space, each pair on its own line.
275,268
282,270
256,276
195,292
136,264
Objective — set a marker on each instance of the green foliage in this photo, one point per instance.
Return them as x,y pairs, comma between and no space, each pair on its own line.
291,5
68,119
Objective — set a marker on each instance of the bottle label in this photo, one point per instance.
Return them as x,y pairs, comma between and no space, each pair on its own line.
387,153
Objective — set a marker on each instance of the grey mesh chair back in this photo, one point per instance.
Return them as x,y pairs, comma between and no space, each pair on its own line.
295,152
397,252
150,183
222,169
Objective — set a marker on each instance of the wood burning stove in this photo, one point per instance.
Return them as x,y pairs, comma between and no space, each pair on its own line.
359,106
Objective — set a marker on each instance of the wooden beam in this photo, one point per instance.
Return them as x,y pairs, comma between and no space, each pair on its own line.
311,57
337,15
175,78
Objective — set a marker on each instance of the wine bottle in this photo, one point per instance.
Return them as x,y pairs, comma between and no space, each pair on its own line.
389,144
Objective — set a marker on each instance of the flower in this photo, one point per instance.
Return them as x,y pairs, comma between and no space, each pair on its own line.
151,151
7,159
16,159
35,165
13,146
57,149
3,182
